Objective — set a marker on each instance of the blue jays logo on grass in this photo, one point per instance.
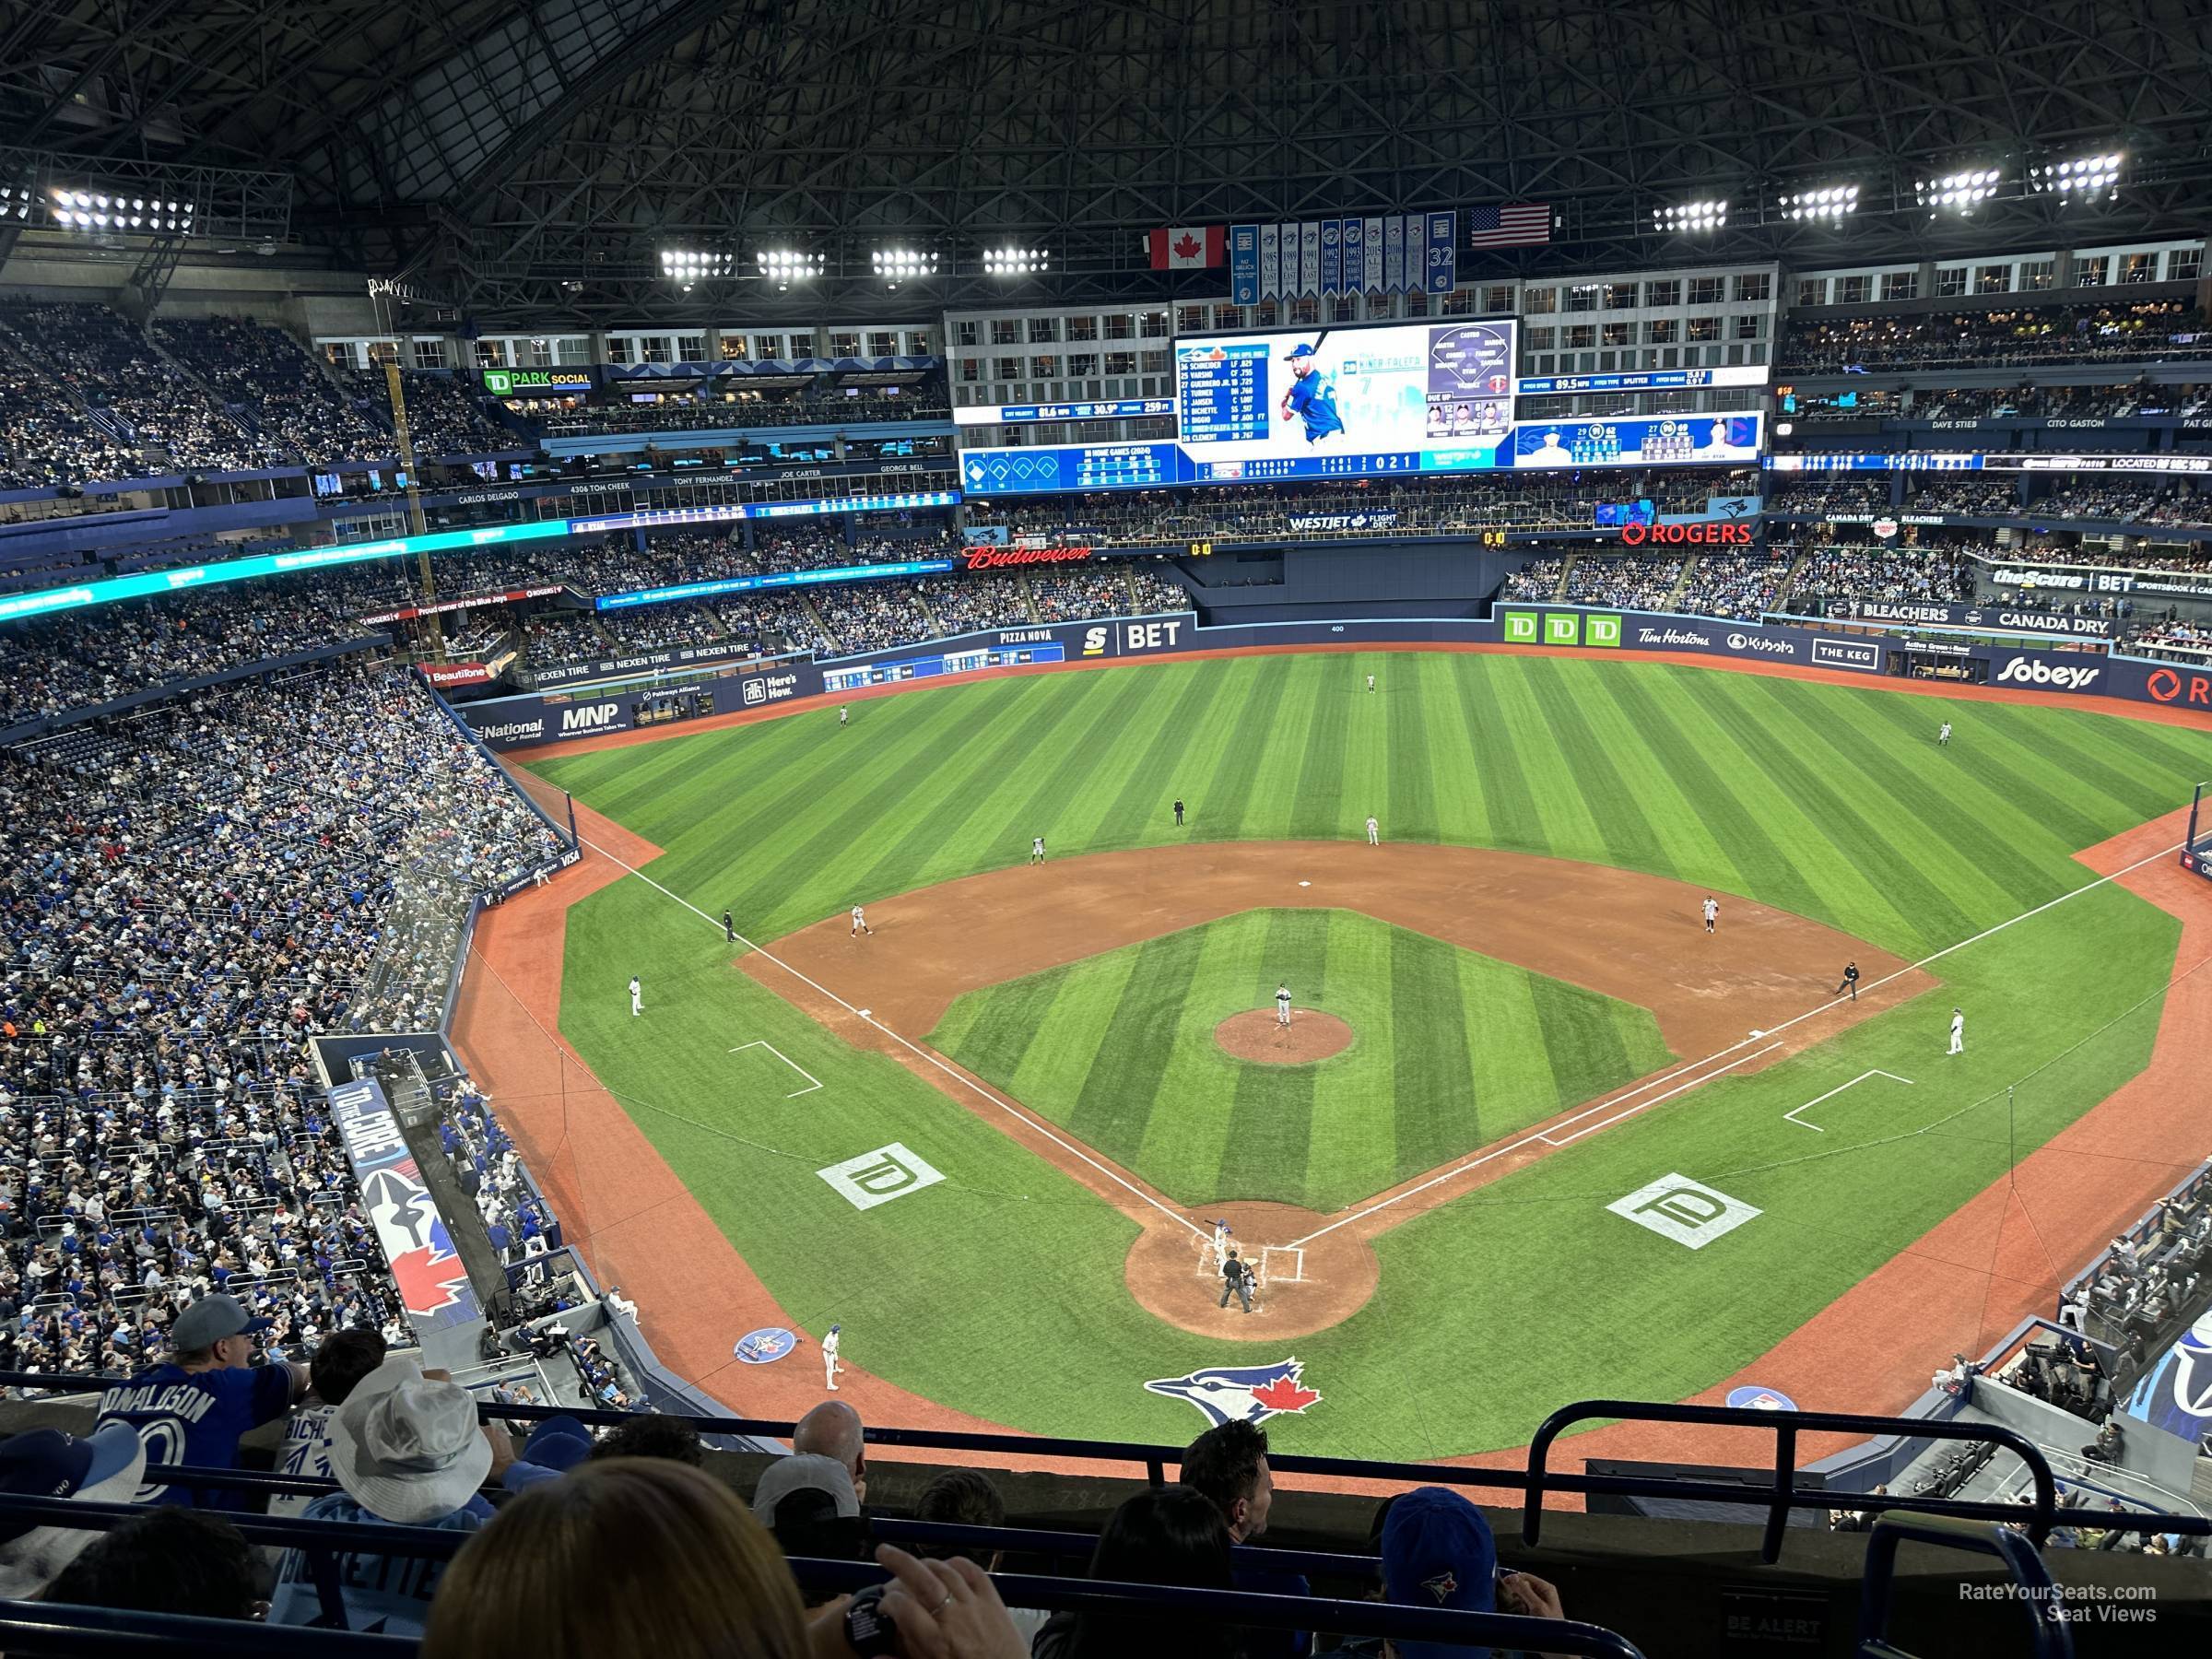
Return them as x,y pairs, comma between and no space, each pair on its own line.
1241,1393
766,1345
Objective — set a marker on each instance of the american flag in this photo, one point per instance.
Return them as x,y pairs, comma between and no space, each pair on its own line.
1515,225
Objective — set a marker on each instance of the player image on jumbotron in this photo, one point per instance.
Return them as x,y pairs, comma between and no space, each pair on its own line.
1471,380
1312,396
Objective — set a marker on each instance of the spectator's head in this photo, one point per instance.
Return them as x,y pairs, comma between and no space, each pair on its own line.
102,1467
652,1435
165,1560
407,1447
214,1333
1438,1552
341,1359
1229,1464
1165,1536
628,1556
807,1500
961,1498
832,1430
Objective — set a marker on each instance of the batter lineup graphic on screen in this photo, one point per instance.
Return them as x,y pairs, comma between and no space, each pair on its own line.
1312,396
1471,380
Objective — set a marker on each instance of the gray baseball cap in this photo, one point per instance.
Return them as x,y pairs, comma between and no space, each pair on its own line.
211,1319
805,1472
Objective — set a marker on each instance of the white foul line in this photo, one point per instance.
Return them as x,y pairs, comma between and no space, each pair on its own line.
1813,1013
813,1082
915,1049
1790,1116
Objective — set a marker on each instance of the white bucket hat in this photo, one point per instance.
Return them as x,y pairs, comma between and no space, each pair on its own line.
407,1448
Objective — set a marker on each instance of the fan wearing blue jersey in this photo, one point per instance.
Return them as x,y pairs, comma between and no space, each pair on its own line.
1310,397
192,1409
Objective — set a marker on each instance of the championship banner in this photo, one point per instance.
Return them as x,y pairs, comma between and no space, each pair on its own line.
1271,260
1394,253
1332,268
1355,255
1370,244
1309,259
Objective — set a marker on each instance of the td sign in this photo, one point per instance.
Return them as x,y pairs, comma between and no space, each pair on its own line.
1562,628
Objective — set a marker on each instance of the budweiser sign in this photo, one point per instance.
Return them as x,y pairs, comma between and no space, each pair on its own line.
995,559
1704,534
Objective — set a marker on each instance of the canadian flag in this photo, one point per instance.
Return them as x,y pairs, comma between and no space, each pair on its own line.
1187,247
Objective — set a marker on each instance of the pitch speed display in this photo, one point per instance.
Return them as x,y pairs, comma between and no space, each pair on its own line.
1346,402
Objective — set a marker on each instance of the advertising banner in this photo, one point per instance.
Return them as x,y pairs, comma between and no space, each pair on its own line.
646,662
433,1285
1933,614
474,601
1008,559
1308,524
2097,579
444,676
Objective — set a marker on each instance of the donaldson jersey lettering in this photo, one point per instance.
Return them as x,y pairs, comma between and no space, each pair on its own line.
196,1417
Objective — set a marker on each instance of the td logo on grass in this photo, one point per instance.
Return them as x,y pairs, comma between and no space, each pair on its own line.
1687,1211
880,1176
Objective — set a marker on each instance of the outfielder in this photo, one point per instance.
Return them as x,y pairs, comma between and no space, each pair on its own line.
844,715
1374,831
1370,682
637,997
860,924
1282,1005
829,1365
1712,912
1037,849
1957,1033
1944,736
1310,397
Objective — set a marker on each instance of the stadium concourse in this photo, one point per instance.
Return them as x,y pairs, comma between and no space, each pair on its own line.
947,886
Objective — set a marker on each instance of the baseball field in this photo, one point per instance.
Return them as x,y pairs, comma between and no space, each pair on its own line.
1567,1143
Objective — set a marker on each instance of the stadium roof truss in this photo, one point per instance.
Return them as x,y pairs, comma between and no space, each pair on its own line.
532,158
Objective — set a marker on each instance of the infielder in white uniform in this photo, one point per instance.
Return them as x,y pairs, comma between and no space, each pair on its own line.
1712,912
1282,1005
1037,849
637,997
1957,1033
1374,831
860,924
1944,736
829,1365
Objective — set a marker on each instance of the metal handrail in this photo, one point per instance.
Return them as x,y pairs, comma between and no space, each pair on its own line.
1785,1425
2046,1612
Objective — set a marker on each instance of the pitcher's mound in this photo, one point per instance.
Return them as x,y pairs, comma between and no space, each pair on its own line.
1310,1035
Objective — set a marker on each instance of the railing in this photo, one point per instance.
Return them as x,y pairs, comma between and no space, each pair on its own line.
320,1543
2032,1581
1533,1483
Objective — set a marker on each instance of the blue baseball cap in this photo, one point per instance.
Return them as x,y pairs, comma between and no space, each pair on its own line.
46,1462
1438,1552
1300,350
558,1442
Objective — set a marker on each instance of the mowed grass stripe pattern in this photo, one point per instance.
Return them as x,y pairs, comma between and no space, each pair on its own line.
1450,1050
1835,804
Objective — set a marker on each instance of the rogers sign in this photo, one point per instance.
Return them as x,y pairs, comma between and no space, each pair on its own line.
997,558
1686,535
2168,685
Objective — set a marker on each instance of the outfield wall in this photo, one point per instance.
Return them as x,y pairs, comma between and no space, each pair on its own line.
510,723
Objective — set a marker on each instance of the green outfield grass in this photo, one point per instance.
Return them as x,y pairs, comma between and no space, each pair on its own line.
999,1292
1450,1050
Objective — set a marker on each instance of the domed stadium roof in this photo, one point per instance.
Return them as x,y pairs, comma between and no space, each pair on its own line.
508,152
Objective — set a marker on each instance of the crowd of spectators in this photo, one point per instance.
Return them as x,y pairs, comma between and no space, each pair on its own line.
966,603
1827,492
2190,641
1733,584
1632,581
1064,595
871,616
1834,575
46,440
265,376
2029,401
2011,336
746,411
1538,579
445,418
102,359
1151,591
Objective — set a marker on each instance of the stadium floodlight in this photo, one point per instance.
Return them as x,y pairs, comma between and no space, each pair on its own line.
108,213
1957,192
1015,262
1684,217
899,264
15,203
785,266
2081,179
696,265
1831,202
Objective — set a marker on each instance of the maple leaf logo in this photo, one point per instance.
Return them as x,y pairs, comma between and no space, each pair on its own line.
1285,1394
427,1280
1187,246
